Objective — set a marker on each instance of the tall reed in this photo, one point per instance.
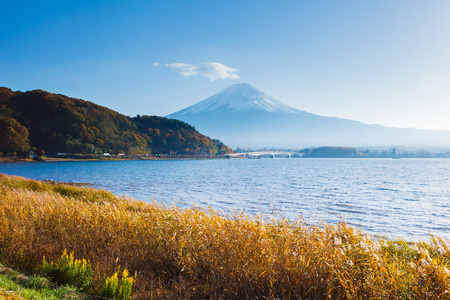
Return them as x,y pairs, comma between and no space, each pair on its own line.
200,254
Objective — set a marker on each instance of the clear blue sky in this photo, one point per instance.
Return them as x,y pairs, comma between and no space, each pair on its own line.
385,62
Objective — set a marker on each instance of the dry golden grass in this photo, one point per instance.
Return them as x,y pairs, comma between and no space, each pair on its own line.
198,254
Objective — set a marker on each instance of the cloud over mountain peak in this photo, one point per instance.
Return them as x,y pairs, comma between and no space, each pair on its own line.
211,70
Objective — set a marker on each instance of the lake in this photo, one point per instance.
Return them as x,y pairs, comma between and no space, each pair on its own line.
409,198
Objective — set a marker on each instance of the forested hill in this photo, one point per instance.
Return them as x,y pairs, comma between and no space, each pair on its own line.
56,123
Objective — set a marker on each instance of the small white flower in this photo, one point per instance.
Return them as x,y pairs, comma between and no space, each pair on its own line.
376,257
376,246
424,252
424,262
362,245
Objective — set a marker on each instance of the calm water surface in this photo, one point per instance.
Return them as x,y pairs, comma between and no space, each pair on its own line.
408,197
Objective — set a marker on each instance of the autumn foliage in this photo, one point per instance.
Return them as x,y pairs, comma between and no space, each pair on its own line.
13,137
57,123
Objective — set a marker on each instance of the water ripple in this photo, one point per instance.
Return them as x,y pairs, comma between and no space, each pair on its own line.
408,198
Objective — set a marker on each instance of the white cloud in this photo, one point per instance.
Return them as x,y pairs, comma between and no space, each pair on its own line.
156,64
211,70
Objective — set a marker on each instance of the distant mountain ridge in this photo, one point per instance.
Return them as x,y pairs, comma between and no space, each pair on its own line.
56,123
243,116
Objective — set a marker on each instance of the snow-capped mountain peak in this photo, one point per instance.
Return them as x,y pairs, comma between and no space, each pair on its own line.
239,98
243,116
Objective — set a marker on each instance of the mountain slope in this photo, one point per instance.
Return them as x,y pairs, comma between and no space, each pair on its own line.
56,123
240,115
238,98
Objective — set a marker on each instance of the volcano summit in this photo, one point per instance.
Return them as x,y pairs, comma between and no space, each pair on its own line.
242,116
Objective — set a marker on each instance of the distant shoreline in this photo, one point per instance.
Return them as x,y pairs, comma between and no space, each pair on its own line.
53,159
71,183
60,159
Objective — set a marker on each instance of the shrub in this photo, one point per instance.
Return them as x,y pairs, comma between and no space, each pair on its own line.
67,270
40,153
121,290
111,287
126,286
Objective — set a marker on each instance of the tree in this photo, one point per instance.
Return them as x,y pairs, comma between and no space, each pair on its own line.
40,153
57,123
13,137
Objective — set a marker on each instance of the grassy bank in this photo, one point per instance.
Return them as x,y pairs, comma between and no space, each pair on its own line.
197,254
17,286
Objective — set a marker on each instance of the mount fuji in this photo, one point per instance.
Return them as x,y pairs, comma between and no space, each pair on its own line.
242,116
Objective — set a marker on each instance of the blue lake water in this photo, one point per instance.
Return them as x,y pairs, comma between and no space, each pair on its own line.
408,197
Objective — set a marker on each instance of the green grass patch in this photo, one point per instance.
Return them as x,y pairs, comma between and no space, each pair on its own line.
34,287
